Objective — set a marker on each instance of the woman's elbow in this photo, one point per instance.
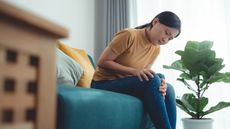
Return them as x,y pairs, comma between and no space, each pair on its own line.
101,63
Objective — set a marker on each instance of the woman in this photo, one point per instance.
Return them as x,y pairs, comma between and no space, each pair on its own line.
124,67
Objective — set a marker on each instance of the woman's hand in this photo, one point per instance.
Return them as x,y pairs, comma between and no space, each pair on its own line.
163,87
144,73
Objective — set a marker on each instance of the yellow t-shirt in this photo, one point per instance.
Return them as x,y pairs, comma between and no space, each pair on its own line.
132,49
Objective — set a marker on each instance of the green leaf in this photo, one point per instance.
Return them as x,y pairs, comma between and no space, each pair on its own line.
177,65
226,78
189,100
220,77
216,66
203,101
205,77
184,108
195,55
199,45
219,106
206,44
194,61
186,76
179,52
194,104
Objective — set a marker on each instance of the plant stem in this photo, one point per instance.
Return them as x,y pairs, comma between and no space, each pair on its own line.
205,88
198,96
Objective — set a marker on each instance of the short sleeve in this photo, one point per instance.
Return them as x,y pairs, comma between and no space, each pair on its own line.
121,42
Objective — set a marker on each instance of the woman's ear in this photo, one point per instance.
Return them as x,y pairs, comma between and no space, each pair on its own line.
155,21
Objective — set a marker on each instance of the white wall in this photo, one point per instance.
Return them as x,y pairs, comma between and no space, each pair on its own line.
78,16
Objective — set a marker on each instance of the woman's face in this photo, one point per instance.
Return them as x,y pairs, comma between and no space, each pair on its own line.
161,34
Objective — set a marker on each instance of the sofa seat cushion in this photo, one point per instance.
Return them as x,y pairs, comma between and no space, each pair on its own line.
83,108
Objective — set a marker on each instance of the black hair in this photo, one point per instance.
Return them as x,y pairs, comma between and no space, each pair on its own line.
166,18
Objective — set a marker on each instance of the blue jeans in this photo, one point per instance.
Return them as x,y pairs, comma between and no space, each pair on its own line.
162,110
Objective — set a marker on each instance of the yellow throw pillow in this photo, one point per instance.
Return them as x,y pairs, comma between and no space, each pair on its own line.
81,57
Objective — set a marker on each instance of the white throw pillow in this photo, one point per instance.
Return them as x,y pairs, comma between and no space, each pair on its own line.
68,71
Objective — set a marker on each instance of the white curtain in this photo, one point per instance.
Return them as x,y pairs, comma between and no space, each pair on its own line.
201,20
112,16
119,16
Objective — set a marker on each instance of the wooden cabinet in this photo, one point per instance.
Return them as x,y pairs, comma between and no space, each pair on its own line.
27,69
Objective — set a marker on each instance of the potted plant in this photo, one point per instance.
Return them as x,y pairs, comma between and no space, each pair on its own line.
199,68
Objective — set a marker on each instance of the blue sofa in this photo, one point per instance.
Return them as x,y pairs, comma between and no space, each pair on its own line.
87,108
84,108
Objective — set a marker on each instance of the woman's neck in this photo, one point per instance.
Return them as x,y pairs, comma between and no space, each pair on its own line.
147,34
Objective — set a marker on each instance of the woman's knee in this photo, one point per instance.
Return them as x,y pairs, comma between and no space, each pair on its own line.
170,90
155,81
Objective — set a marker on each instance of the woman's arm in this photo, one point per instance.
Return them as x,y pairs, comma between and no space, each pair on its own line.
106,61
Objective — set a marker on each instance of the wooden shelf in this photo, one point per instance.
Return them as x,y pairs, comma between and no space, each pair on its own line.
28,70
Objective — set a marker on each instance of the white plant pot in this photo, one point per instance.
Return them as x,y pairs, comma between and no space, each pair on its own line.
189,123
